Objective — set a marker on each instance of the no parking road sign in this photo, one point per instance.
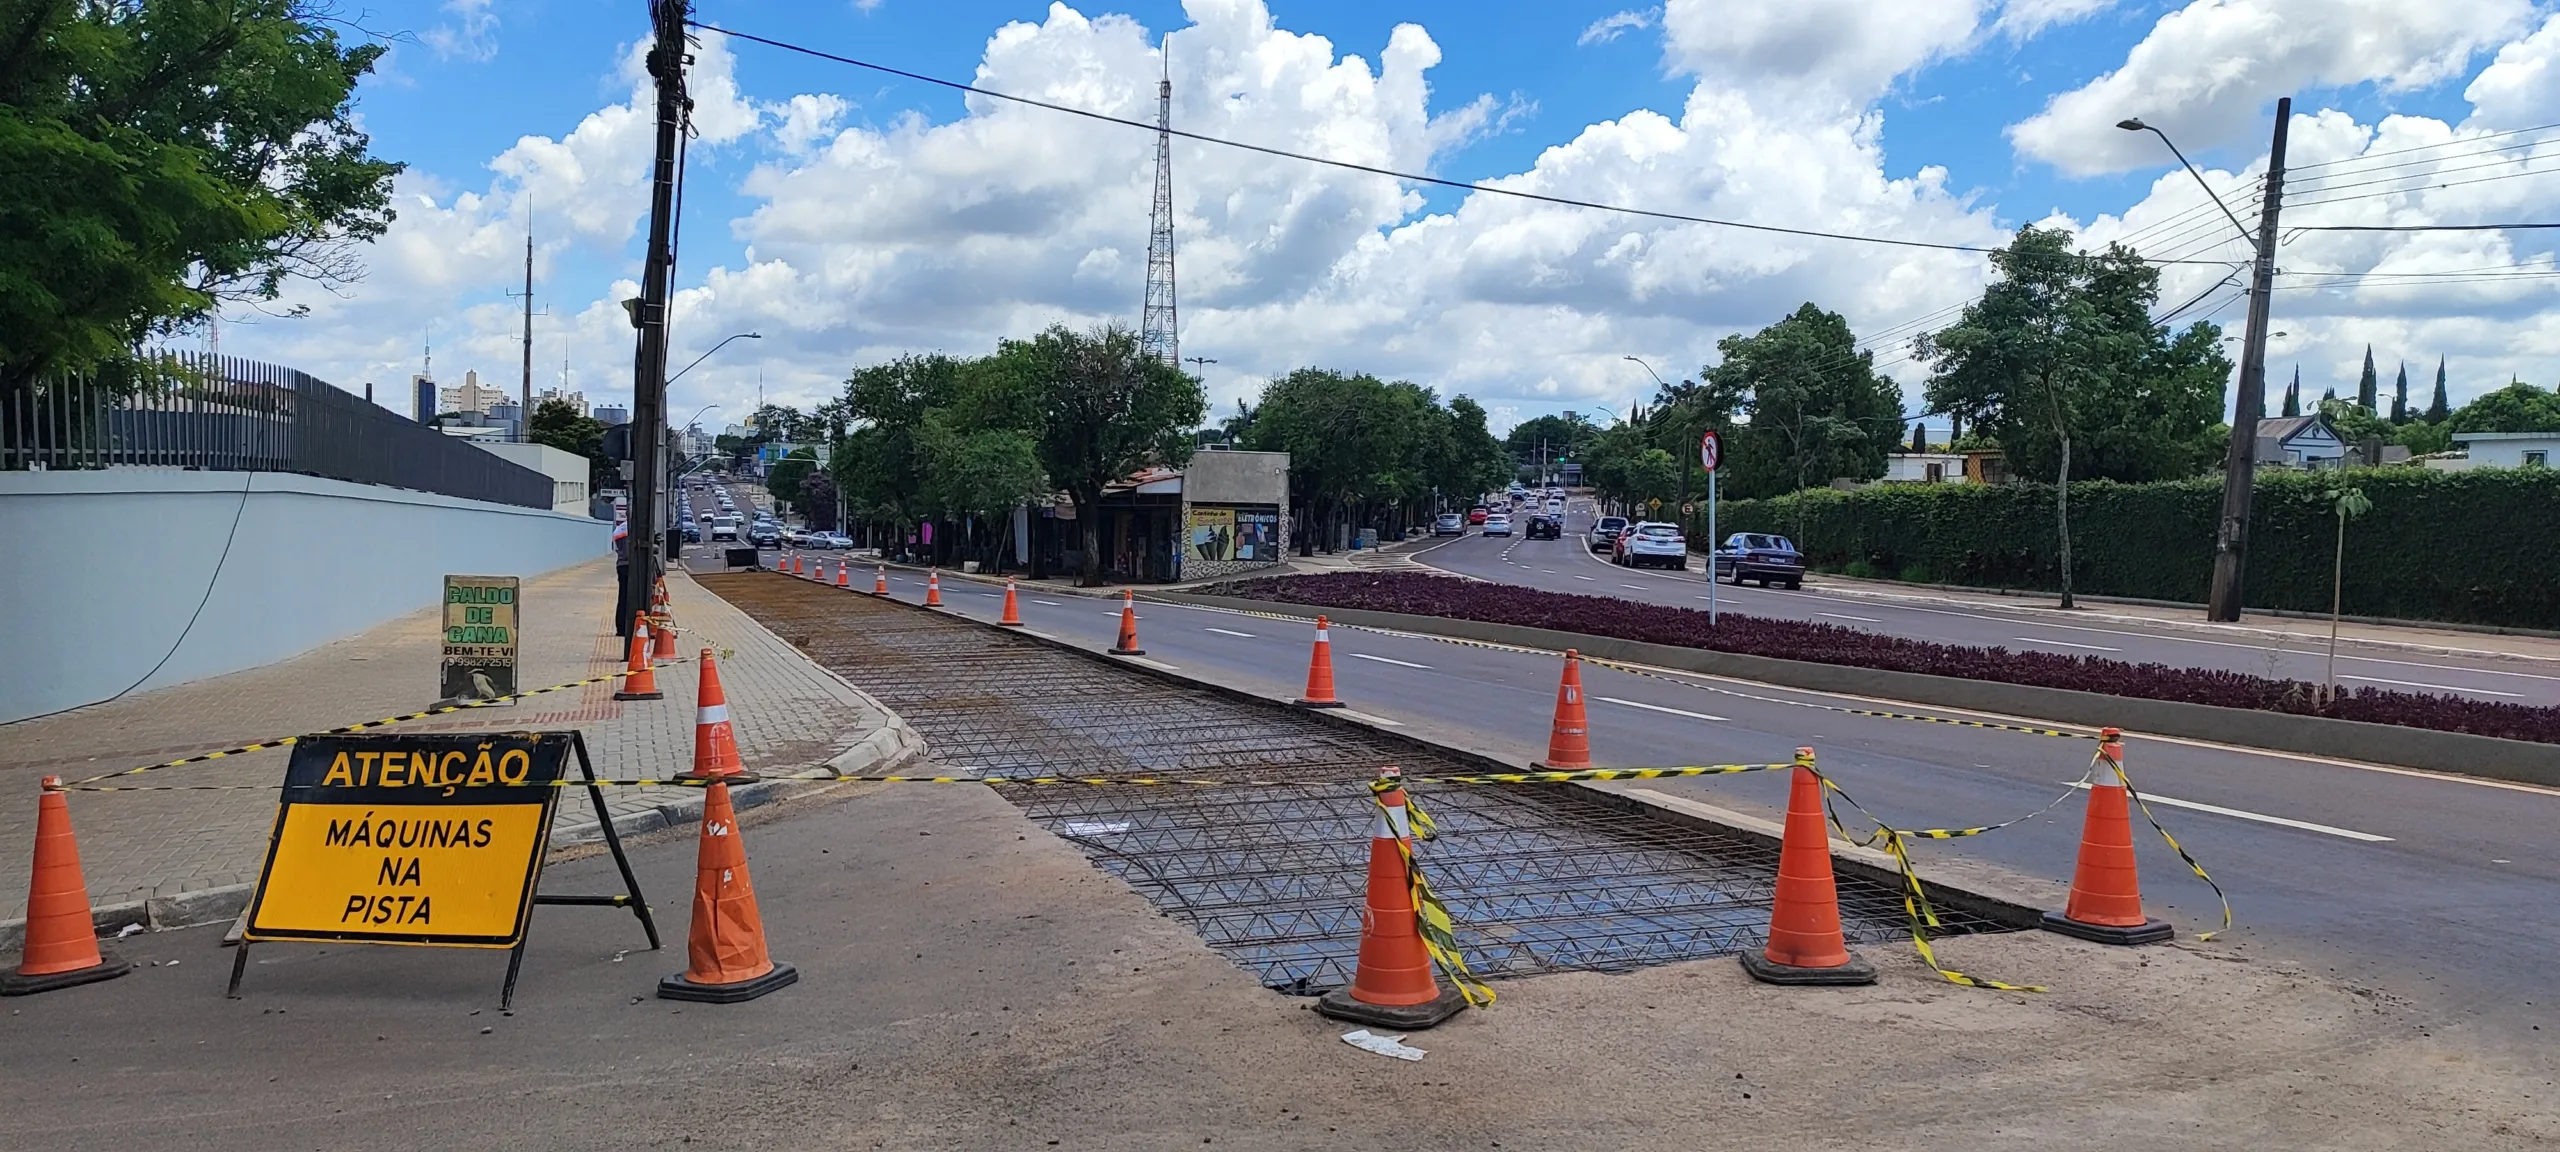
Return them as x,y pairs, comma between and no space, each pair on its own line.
1710,449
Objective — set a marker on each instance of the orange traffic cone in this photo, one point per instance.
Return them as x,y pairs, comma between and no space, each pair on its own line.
1128,643
1569,743
2106,887
1805,945
1320,672
62,942
662,637
933,588
715,744
844,573
725,958
1393,987
880,580
1012,617
639,680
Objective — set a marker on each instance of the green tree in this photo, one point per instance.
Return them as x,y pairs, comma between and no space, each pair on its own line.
2061,352
818,500
2368,386
882,469
1354,445
2438,410
2400,396
1560,437
2293,394
1108,411
788,475
159,157
2514,408
1815,406
558,423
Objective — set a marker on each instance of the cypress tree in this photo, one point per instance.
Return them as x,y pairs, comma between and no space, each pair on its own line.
2438,411
2293,394
2367,385
2400,396
1919,437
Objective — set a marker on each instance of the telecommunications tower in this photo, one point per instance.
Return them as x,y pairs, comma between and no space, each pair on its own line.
1156,338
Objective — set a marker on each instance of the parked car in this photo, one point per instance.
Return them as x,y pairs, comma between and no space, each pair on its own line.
1604,535
1498,524
1449,524
1761,557
1477,514
1545,528
1652,544
692,532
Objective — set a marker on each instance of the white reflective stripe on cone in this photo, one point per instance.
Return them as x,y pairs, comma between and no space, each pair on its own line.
1403,828
713,714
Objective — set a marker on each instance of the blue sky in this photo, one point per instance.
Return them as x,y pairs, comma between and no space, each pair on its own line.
1838,120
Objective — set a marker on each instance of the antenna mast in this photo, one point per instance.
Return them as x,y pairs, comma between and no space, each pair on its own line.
1156,324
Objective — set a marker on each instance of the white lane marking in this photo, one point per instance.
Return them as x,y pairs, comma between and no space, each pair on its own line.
1384,660
2436,687
1548,571
1156,664
1228,632
1580,576
2064,644
1843,616
2260,817
1658,708
1373,719
1134,613
1051,603
1637,587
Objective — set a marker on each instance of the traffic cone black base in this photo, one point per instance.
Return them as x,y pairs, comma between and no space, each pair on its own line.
1401,1017
676,987
1126,651
1322,703
1767,971
2147,932
107,968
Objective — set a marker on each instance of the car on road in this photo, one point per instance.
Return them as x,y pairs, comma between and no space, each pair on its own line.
1555,508
1498,524
1604,534
1449,524
1759,556
692,532
1477,514
1545,528
838,540
724,528
765,536
1652,544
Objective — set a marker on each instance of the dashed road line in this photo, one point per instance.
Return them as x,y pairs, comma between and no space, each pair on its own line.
2063,644
1386,660
1660,708
1230,632
2260,817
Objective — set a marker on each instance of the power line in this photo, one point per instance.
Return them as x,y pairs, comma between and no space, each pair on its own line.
2422,148
1412,177
2415,227
2424,161
2417,188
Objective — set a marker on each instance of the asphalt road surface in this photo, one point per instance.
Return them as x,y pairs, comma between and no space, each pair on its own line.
2430,886
1568,565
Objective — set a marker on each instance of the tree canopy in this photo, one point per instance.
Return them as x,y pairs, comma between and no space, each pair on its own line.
1797,404
1359,446
558,423
2514,408
156,158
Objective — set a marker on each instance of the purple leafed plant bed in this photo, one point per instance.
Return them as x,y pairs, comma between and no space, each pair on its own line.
1422,594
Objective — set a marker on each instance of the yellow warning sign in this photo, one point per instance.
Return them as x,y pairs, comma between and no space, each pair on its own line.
426,839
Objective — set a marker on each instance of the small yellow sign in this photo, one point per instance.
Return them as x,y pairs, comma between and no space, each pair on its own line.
428,839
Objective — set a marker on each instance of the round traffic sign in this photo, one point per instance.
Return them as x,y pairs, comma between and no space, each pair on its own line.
1689,508
1710,449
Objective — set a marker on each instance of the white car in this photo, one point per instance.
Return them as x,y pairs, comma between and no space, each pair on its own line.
1498,524
1652,544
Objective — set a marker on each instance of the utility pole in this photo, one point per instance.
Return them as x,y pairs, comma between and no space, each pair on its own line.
524,401
2240,468
667,60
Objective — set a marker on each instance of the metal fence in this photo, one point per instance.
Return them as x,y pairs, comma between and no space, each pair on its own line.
226,414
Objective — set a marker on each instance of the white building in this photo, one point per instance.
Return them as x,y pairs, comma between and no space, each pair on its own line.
577,400
1924,468
567,470
2511,449
2299,442
471,396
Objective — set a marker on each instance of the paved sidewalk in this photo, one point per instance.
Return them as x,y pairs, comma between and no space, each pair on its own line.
163,852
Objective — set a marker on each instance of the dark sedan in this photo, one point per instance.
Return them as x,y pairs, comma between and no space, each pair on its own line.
1545,528
1757,556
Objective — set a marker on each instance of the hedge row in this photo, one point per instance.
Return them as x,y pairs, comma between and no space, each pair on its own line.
1423,594
2480,547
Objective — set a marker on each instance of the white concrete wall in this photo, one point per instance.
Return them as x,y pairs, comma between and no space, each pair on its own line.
568,470
102,572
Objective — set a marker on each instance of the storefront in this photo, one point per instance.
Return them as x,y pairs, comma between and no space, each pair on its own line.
1224,514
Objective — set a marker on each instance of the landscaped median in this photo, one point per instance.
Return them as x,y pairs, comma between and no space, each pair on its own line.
2423,731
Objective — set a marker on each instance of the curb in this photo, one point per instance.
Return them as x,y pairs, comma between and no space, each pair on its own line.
2453,753
1887,589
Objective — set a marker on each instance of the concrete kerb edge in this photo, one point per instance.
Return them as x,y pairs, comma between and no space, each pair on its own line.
2453,753
2014,902
1893,591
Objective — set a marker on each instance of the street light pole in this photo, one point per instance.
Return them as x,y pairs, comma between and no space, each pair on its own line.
645,535
697,361
2240,465
1197,362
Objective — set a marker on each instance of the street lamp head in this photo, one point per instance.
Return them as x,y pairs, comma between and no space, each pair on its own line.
2133,124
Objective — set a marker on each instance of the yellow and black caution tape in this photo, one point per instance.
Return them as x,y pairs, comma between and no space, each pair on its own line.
1555,777
289,741
2180,849
1878,836
1431,917
1921,915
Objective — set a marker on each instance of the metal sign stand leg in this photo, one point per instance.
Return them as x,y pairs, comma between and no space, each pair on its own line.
629,898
